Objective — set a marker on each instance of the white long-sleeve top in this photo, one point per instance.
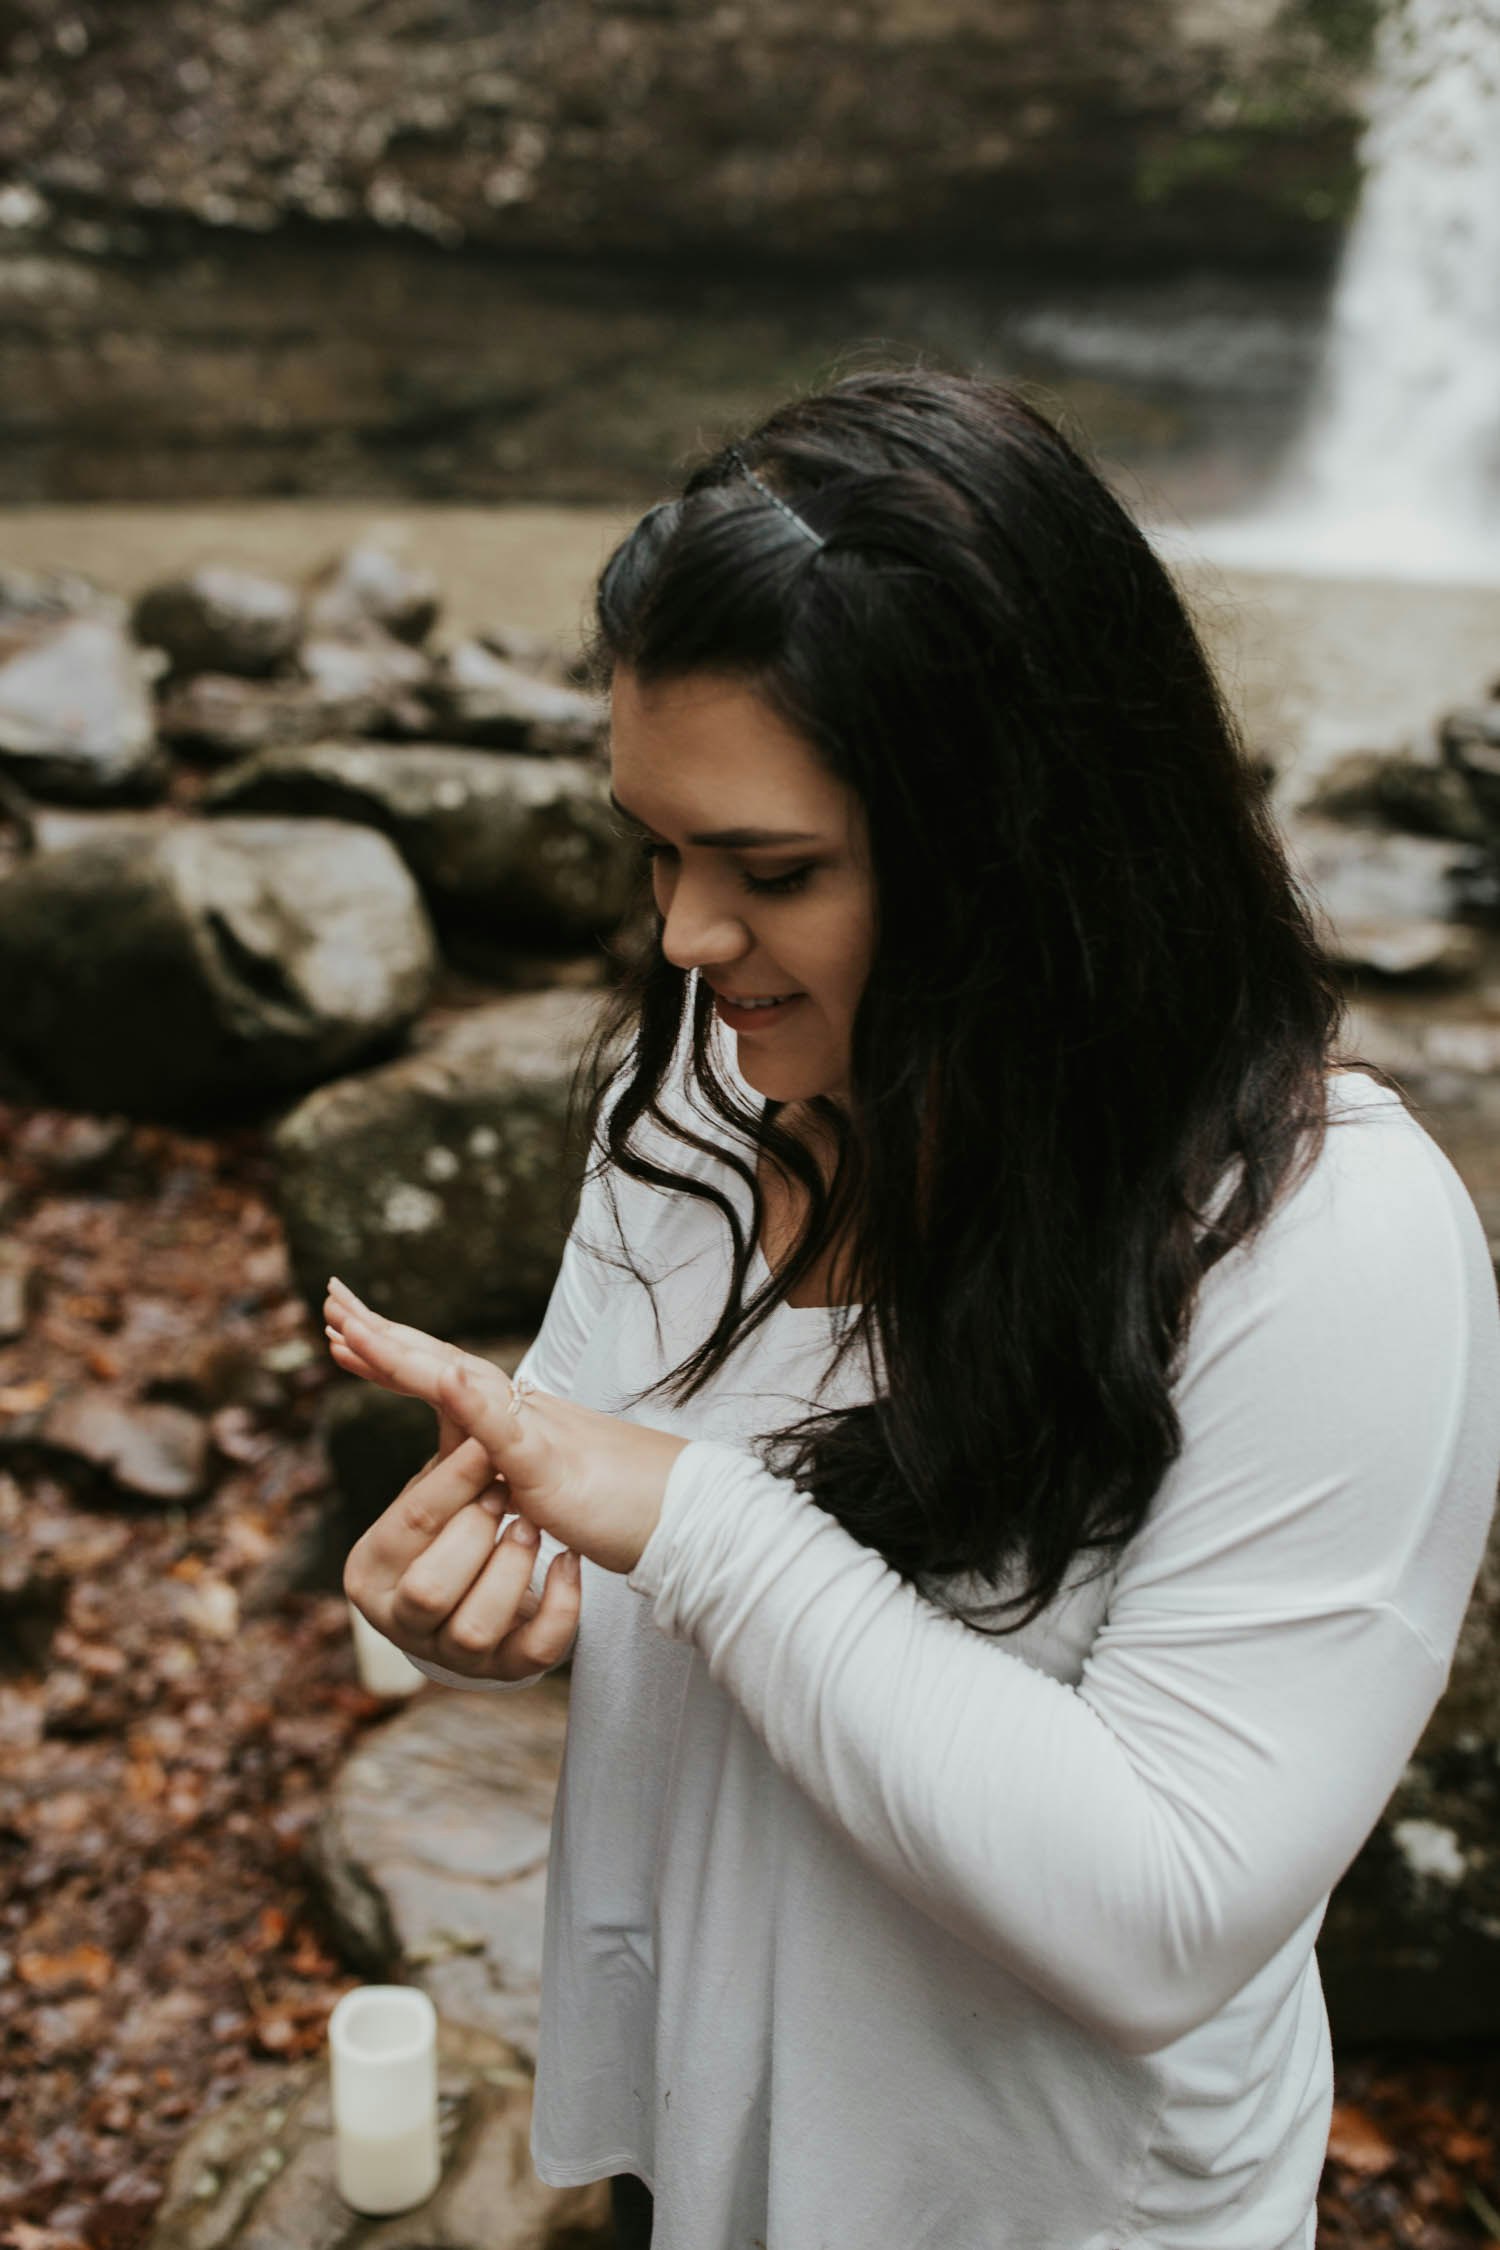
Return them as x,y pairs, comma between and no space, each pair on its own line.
865,1929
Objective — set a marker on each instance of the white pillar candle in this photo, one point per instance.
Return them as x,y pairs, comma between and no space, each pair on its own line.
382,2047
384,1669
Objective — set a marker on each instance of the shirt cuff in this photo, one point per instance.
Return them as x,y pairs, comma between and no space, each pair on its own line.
698,1474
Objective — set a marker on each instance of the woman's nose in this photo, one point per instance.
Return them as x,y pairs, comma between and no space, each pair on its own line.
697,934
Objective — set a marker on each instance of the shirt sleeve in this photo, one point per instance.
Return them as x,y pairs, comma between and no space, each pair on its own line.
551,1361
1136,1846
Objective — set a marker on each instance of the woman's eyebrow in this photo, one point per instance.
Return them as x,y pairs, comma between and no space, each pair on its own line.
730,839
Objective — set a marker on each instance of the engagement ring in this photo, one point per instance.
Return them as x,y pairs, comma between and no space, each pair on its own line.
521,1389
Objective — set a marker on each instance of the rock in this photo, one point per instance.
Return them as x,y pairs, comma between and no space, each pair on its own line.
432,1854
258,2172
514,846
373,677
1379,790
20,1289
377,1441
54,594
75,715
172,969
117,1447
439,1186
1410,1946
33,1602
366,587
1470,742
1386,900
533,652
476,696
221,620
215,717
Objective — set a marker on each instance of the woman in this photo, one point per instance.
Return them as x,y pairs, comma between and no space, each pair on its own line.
1027,1412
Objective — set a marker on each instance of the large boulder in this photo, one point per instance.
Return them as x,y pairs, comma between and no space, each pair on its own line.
76,722
518,846
441,1185
176,969
432,1855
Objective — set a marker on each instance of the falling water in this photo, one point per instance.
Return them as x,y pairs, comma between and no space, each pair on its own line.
1398,469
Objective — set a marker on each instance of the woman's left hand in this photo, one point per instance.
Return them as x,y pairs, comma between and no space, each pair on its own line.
594,1481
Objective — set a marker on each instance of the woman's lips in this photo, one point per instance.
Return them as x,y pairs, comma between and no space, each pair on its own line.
754,1019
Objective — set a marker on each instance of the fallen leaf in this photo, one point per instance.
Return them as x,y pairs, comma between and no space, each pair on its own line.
1356,2142
88,1965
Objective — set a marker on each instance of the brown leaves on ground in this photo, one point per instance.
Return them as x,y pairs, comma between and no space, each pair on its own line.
176,1700
1412,2154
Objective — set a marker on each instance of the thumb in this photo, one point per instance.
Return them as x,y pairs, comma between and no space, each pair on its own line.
511,1433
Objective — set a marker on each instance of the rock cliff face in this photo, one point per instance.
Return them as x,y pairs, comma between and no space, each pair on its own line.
1098,128
169,164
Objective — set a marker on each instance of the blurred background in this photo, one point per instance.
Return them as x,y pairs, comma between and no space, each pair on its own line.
339,340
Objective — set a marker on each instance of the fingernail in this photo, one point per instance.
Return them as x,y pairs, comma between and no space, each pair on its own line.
572,1563
494,1504
523,1533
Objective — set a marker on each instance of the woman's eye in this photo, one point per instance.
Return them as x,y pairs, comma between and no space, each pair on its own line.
779,886
766,886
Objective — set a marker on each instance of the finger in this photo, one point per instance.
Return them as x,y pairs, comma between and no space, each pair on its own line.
340,1306
491,1604
544,1638
423,1508
434,1596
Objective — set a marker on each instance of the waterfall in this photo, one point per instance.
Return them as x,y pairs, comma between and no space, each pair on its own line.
1398,466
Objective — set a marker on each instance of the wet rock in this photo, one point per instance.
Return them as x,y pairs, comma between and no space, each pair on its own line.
477,696
432,1854
440,1186
367,586
1376,789
221,620
173,969
75,713
20,1289
258,2172
1386,900
377,1441
117,1447
1410,1946
515,846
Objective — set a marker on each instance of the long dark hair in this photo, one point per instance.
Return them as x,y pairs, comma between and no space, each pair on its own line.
1089,1056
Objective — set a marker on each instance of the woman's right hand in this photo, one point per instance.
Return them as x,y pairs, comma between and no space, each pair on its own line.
429,1575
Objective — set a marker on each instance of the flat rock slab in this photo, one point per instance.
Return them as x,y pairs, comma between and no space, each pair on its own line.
433,1851
259,2173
